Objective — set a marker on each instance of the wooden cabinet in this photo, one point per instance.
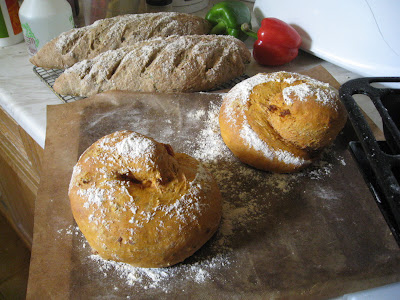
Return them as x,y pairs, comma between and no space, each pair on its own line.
20,165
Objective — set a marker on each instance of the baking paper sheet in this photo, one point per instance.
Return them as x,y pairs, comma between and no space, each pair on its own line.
316,234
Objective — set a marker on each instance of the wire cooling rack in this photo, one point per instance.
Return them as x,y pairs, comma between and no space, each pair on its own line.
49,76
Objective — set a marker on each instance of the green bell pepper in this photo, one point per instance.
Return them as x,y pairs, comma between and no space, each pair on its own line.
227,18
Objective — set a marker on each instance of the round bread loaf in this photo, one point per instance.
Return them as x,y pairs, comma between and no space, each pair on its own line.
281,121
138,202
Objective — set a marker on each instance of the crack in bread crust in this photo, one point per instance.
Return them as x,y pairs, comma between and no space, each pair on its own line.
138,202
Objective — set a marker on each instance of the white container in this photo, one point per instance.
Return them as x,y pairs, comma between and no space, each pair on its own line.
93,10
43,20
364,38
10,26
189,6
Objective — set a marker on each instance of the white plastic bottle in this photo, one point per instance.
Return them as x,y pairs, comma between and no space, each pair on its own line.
43,20
10,26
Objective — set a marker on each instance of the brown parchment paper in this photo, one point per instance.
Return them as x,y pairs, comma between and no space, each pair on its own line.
316,234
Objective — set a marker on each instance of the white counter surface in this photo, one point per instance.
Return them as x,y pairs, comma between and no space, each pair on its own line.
22,94
25,97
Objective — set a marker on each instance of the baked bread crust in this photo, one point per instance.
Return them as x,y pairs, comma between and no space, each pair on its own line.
281,121
173,64
138,202
112,33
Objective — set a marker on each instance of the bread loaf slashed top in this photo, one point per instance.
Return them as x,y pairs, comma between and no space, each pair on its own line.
173,64
112,33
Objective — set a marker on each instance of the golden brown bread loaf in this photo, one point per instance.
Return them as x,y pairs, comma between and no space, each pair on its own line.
113,33
138,202
174,64
281,121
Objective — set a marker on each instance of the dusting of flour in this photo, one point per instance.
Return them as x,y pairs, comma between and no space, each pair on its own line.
239,185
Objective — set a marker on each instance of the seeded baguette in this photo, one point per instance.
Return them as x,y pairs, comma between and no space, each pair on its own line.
172,64
112,33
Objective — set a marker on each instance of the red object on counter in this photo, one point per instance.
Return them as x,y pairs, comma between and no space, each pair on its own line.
277,43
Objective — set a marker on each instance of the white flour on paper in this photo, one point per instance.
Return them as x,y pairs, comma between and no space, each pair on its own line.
239,185
160,278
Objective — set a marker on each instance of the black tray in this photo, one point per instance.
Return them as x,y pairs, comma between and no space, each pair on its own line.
379,161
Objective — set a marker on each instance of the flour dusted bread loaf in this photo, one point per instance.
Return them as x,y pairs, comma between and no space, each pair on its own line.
173,64
113,33
281,121
138,202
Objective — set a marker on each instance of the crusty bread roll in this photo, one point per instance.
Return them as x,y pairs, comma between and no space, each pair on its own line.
138,202
174,64
280,122
113,33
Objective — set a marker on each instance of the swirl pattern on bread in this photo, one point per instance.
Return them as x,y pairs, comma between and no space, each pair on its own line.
138,202
280,121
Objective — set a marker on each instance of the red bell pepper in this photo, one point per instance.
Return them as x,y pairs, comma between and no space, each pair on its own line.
277,42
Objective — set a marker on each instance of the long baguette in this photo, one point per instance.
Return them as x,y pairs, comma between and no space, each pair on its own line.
113,33
173,64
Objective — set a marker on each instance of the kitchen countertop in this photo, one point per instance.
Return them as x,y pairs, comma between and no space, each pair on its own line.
25,97
22,94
